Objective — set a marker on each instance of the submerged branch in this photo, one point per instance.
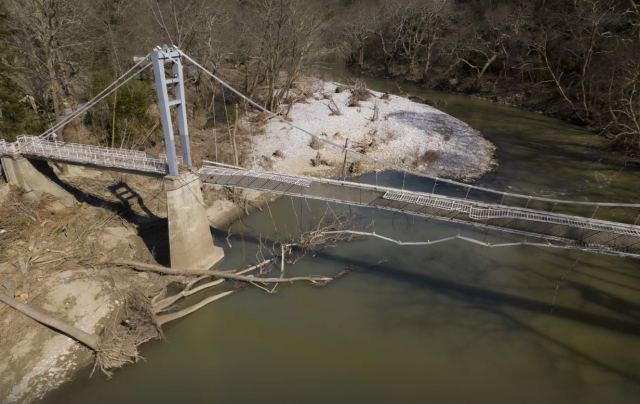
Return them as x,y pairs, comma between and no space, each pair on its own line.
165,318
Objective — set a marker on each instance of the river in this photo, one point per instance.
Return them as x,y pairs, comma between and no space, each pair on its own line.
448,323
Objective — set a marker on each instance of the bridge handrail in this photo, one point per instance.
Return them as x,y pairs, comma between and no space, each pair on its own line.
97,155
483,211
7,147
34,140
525,196
479,212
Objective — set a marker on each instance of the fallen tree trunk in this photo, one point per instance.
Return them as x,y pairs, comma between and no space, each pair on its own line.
143,266
47,319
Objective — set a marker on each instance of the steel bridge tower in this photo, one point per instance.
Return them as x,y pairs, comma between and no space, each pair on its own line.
172,86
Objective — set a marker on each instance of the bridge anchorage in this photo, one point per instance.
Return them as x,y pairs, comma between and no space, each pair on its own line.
601,227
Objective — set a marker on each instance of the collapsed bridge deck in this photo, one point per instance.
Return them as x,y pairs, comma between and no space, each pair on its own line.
594,233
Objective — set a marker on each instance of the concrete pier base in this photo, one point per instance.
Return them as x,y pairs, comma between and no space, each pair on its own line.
20,172
190,239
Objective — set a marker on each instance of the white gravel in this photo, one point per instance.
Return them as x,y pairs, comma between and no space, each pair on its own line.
404,131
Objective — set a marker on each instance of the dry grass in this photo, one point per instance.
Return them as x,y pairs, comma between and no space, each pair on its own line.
427,158
16,219
42,238
318,161
355,168
315,144
131,327
369,144
391,136
266,163
359,92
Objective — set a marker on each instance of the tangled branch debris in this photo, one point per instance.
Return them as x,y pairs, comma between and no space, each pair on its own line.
119,343
164,304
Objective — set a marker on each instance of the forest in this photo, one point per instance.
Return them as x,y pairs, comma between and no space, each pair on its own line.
578,60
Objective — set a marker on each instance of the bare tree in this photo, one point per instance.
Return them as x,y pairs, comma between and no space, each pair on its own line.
624,107
357,30
391,26
277,37
47,36
586,26
422,31
435,20
185,23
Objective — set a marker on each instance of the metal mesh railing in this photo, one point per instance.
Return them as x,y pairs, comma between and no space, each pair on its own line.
7,148
131,160
478,211
623,212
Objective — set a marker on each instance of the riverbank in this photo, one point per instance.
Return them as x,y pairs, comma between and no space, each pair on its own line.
50,259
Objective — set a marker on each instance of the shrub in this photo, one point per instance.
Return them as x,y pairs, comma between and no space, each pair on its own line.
427,158
315,143
359,92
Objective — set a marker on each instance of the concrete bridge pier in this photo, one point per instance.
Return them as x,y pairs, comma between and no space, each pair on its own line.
20,172
190,240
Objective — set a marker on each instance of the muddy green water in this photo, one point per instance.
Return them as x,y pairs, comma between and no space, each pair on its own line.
451,323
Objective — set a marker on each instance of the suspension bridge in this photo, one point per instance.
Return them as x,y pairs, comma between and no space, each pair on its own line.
610,228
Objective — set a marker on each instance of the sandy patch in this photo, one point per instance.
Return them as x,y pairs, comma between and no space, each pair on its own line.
402,134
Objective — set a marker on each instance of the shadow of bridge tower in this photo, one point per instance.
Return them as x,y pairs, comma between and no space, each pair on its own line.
130,199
